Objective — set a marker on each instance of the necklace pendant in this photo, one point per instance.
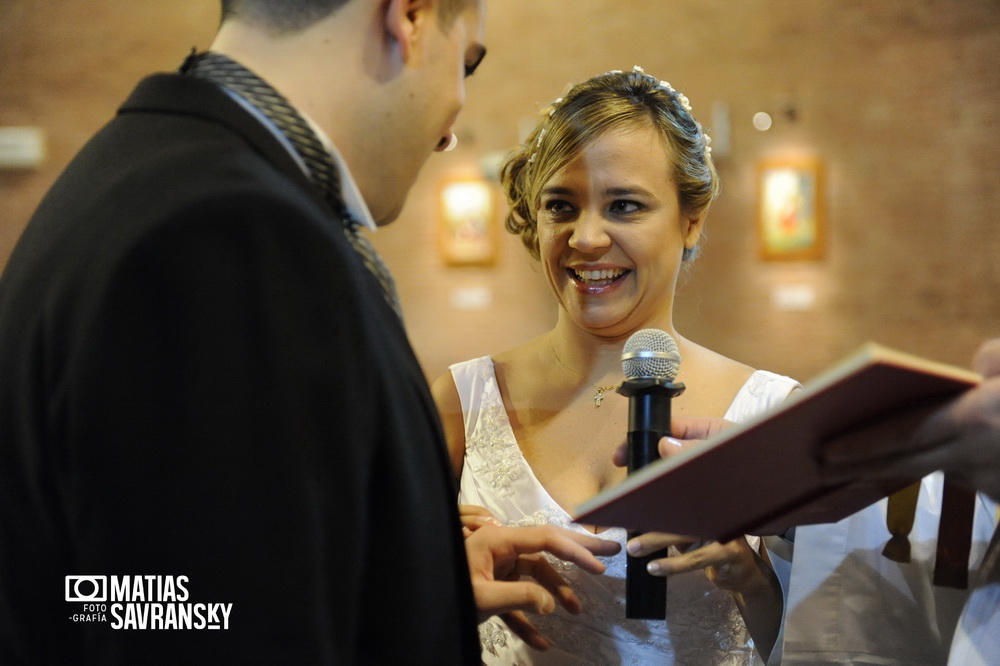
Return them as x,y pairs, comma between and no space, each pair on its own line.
598,397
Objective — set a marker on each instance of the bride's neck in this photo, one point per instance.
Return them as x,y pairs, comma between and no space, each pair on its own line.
593,358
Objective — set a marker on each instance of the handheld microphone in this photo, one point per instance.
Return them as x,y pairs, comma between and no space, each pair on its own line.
650,361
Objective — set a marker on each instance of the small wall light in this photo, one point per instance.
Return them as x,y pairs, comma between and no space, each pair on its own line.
762,121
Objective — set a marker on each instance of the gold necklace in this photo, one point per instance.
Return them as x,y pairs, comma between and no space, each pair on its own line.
599,396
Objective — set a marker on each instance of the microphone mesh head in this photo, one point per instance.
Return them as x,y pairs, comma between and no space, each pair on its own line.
651,353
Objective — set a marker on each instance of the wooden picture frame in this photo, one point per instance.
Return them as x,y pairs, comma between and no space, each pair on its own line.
790,211
467,225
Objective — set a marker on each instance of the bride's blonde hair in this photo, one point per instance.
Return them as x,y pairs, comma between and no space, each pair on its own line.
588,110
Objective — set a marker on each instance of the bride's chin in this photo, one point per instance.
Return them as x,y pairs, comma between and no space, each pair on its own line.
600,325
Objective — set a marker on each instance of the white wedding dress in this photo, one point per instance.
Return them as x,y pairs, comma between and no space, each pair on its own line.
703,626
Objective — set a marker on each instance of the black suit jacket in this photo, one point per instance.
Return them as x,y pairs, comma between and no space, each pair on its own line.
199,378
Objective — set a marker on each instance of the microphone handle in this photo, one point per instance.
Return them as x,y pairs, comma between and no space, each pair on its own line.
648,421
645,595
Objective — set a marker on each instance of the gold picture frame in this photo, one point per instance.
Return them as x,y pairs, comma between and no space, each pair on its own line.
467,223
790,214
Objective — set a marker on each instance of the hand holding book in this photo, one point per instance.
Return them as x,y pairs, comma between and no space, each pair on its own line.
961,438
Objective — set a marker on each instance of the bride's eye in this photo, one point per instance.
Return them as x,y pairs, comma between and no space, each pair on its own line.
557,208
625,207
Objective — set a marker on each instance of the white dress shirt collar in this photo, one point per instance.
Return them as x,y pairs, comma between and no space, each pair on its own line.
349,191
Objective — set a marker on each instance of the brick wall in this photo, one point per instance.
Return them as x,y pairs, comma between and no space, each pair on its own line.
900,99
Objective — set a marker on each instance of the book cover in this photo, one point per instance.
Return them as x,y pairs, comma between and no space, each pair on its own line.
765,475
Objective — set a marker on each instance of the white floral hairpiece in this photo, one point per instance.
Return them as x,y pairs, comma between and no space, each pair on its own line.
685,104
681,98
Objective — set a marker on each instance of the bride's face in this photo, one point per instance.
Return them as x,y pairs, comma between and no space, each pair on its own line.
611,233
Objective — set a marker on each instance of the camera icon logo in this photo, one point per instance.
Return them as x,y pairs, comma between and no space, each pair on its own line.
87,589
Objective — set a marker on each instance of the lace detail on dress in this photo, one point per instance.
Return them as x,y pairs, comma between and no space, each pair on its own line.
755,385
544,517
493,636
497,450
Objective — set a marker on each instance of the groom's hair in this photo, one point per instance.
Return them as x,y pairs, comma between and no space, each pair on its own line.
290,16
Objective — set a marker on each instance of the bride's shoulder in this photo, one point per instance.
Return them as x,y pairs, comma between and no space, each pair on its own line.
705,360
523,355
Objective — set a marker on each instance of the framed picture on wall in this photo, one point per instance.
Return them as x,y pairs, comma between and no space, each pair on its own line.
467,223
790,209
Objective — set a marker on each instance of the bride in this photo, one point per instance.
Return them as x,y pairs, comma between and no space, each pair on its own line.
609,193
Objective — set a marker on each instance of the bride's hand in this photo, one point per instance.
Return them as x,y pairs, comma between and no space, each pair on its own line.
732,566
473,517
510,575
685,432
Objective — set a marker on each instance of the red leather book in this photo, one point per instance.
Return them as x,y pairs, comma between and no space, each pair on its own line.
765,475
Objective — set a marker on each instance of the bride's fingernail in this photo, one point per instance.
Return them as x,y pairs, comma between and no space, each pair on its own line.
653,567
675,442
632,547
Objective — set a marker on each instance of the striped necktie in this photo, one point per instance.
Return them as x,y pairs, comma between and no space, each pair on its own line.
323,172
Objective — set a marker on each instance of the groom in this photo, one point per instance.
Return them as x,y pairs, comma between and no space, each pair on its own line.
216,444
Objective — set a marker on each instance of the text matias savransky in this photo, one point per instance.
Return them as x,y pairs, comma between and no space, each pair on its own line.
143,602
